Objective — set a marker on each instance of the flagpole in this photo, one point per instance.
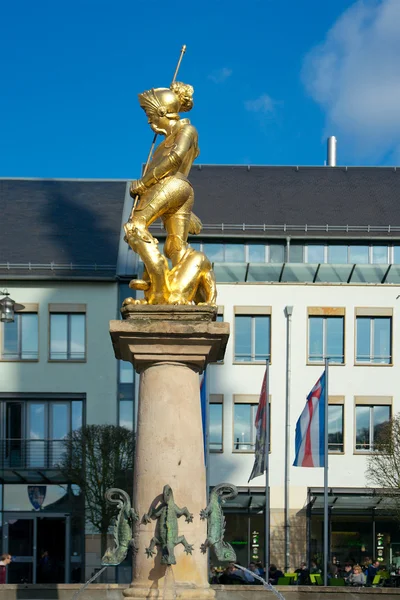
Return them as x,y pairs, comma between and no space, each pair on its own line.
326,513
267,499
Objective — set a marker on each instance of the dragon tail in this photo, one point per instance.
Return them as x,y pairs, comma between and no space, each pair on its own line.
226,491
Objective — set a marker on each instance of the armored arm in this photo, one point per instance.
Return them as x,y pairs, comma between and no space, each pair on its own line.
169,164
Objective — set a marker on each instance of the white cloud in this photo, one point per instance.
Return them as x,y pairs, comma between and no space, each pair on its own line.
263,104
355,76
220,75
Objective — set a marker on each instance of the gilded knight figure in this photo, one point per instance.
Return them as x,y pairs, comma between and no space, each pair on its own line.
165,192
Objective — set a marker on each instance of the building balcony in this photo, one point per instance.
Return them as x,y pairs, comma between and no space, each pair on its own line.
31,460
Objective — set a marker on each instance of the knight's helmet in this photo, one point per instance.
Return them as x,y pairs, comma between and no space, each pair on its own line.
167,102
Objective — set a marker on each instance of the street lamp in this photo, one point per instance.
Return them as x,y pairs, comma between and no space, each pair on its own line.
8,307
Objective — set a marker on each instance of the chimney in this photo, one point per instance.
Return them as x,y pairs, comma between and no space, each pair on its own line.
331,151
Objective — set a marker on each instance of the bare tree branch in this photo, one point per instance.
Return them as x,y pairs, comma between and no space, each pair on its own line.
96,458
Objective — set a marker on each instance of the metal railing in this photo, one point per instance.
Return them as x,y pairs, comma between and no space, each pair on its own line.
16,453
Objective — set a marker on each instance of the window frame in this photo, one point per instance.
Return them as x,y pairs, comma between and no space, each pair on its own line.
371,403
217,399
29,309
252,312
253,401
325,313
372,314
338,401
68,312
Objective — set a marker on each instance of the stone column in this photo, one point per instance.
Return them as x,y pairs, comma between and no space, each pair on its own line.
169,346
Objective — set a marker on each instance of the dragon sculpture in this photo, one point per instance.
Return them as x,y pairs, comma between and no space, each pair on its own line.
167,535
123,527
216,522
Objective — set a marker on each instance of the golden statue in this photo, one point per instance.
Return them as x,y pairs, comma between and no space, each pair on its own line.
165,192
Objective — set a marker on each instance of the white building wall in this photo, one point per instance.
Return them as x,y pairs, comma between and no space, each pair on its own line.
347,470
97,376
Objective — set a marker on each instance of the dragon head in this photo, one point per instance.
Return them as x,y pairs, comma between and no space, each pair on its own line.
228,553
167,493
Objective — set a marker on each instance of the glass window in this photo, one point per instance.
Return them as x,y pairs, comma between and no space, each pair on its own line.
296,253
374,340
252,338
77,416
215,252
359,254
380,254
20,338
196,246
337,255
396,255
335,428
276,253
126,414
371,421
256,253
67,336
316,253
125,372
215,435
244,431
234,253
326,339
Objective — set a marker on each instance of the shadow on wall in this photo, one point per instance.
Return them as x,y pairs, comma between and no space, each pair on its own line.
298,539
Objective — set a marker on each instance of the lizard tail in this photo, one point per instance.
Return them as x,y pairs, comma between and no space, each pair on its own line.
117,496
226,491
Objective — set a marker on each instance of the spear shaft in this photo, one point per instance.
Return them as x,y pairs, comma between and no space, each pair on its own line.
183,50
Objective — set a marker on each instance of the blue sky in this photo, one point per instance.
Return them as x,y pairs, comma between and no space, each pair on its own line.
272,80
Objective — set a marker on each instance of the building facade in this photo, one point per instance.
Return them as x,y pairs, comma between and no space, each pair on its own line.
307,262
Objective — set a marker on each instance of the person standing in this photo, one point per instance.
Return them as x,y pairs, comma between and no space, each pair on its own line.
5,560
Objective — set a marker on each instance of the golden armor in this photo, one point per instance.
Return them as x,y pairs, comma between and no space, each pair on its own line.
165,192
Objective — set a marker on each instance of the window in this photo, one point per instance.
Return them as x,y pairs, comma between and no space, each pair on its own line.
337,255
374,339
316,253
359,254
252,336
34,430
67,336
371,421
276,253
326,339
256,253
335,428
244,416
20,338
380,254
215,433
296,252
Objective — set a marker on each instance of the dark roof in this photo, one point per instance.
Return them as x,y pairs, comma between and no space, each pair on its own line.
73,224
76,224
298,197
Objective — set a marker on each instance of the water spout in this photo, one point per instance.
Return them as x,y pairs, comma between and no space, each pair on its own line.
84,586
267,585
169,590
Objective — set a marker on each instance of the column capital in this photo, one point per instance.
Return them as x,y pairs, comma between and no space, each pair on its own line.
153,334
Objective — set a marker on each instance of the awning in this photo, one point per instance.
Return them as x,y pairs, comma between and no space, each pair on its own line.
350,500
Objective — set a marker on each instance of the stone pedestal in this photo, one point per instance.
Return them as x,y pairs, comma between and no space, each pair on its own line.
169,346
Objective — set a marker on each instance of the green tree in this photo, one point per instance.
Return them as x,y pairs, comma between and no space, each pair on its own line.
96,458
